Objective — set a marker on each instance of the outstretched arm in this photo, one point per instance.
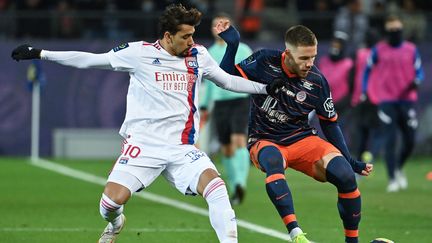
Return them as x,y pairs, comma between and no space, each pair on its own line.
334,135
232,37
69,58
78,59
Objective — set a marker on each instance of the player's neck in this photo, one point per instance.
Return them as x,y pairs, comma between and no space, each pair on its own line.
164,43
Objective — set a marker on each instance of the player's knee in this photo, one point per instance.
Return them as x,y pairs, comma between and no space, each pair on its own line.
271,160
204,180
117,193
340,174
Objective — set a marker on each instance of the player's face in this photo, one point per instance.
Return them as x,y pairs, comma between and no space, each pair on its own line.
299,60
393,25
182,41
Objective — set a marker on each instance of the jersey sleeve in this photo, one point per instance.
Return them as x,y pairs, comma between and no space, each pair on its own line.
217,75
325,108
125,57
248,68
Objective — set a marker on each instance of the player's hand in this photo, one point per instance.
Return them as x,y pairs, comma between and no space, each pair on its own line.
221,26
230,35
361,168
275,86
25,52
367,170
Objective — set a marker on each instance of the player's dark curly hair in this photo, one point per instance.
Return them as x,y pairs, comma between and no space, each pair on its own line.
175,15
300,35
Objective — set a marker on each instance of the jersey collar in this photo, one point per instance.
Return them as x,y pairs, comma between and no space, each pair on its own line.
285,69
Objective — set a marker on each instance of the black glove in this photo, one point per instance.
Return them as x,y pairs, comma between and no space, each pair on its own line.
275,86
25,52
357,166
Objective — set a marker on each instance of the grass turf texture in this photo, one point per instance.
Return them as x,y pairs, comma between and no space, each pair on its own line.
38,205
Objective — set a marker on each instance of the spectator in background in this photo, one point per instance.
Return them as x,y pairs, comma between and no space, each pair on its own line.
93,24
400,74
67,25
414,21
340,81
249,15
7,23
230,117
351,20
205,6
30,26
366,139
147,6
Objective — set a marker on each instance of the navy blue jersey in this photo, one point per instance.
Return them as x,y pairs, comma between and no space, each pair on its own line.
284,119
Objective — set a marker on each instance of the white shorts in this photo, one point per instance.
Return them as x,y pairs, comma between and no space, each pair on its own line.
140,164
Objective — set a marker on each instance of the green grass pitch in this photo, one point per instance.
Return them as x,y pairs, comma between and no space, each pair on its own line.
39,205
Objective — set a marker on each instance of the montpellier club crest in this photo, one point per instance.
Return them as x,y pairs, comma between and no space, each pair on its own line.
301,96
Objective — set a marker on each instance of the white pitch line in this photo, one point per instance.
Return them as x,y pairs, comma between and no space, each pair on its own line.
42,163
167,230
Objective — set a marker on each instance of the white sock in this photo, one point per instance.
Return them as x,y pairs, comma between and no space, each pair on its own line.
110,210
294,232
222,217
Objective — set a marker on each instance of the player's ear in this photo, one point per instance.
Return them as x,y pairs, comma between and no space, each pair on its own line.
167,36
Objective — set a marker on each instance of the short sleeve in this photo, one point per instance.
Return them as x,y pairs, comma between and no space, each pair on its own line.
125,57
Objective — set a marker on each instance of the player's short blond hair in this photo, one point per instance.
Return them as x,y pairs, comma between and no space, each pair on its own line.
300,35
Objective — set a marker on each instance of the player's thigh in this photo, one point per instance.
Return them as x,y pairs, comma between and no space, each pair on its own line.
185,170
134,177
310,156
257,147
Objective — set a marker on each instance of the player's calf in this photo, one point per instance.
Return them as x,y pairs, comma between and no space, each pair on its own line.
271,160
340,174
222,216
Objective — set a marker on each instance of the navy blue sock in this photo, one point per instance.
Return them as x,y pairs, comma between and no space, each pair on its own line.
340,174
271,161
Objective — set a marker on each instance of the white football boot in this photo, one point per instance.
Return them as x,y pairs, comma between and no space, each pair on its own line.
110,233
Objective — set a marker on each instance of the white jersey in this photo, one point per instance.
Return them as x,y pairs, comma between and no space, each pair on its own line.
162,100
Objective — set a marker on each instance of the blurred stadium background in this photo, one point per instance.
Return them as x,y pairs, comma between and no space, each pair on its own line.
81,111
75,98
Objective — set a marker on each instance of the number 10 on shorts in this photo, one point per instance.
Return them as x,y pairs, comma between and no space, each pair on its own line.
131,150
